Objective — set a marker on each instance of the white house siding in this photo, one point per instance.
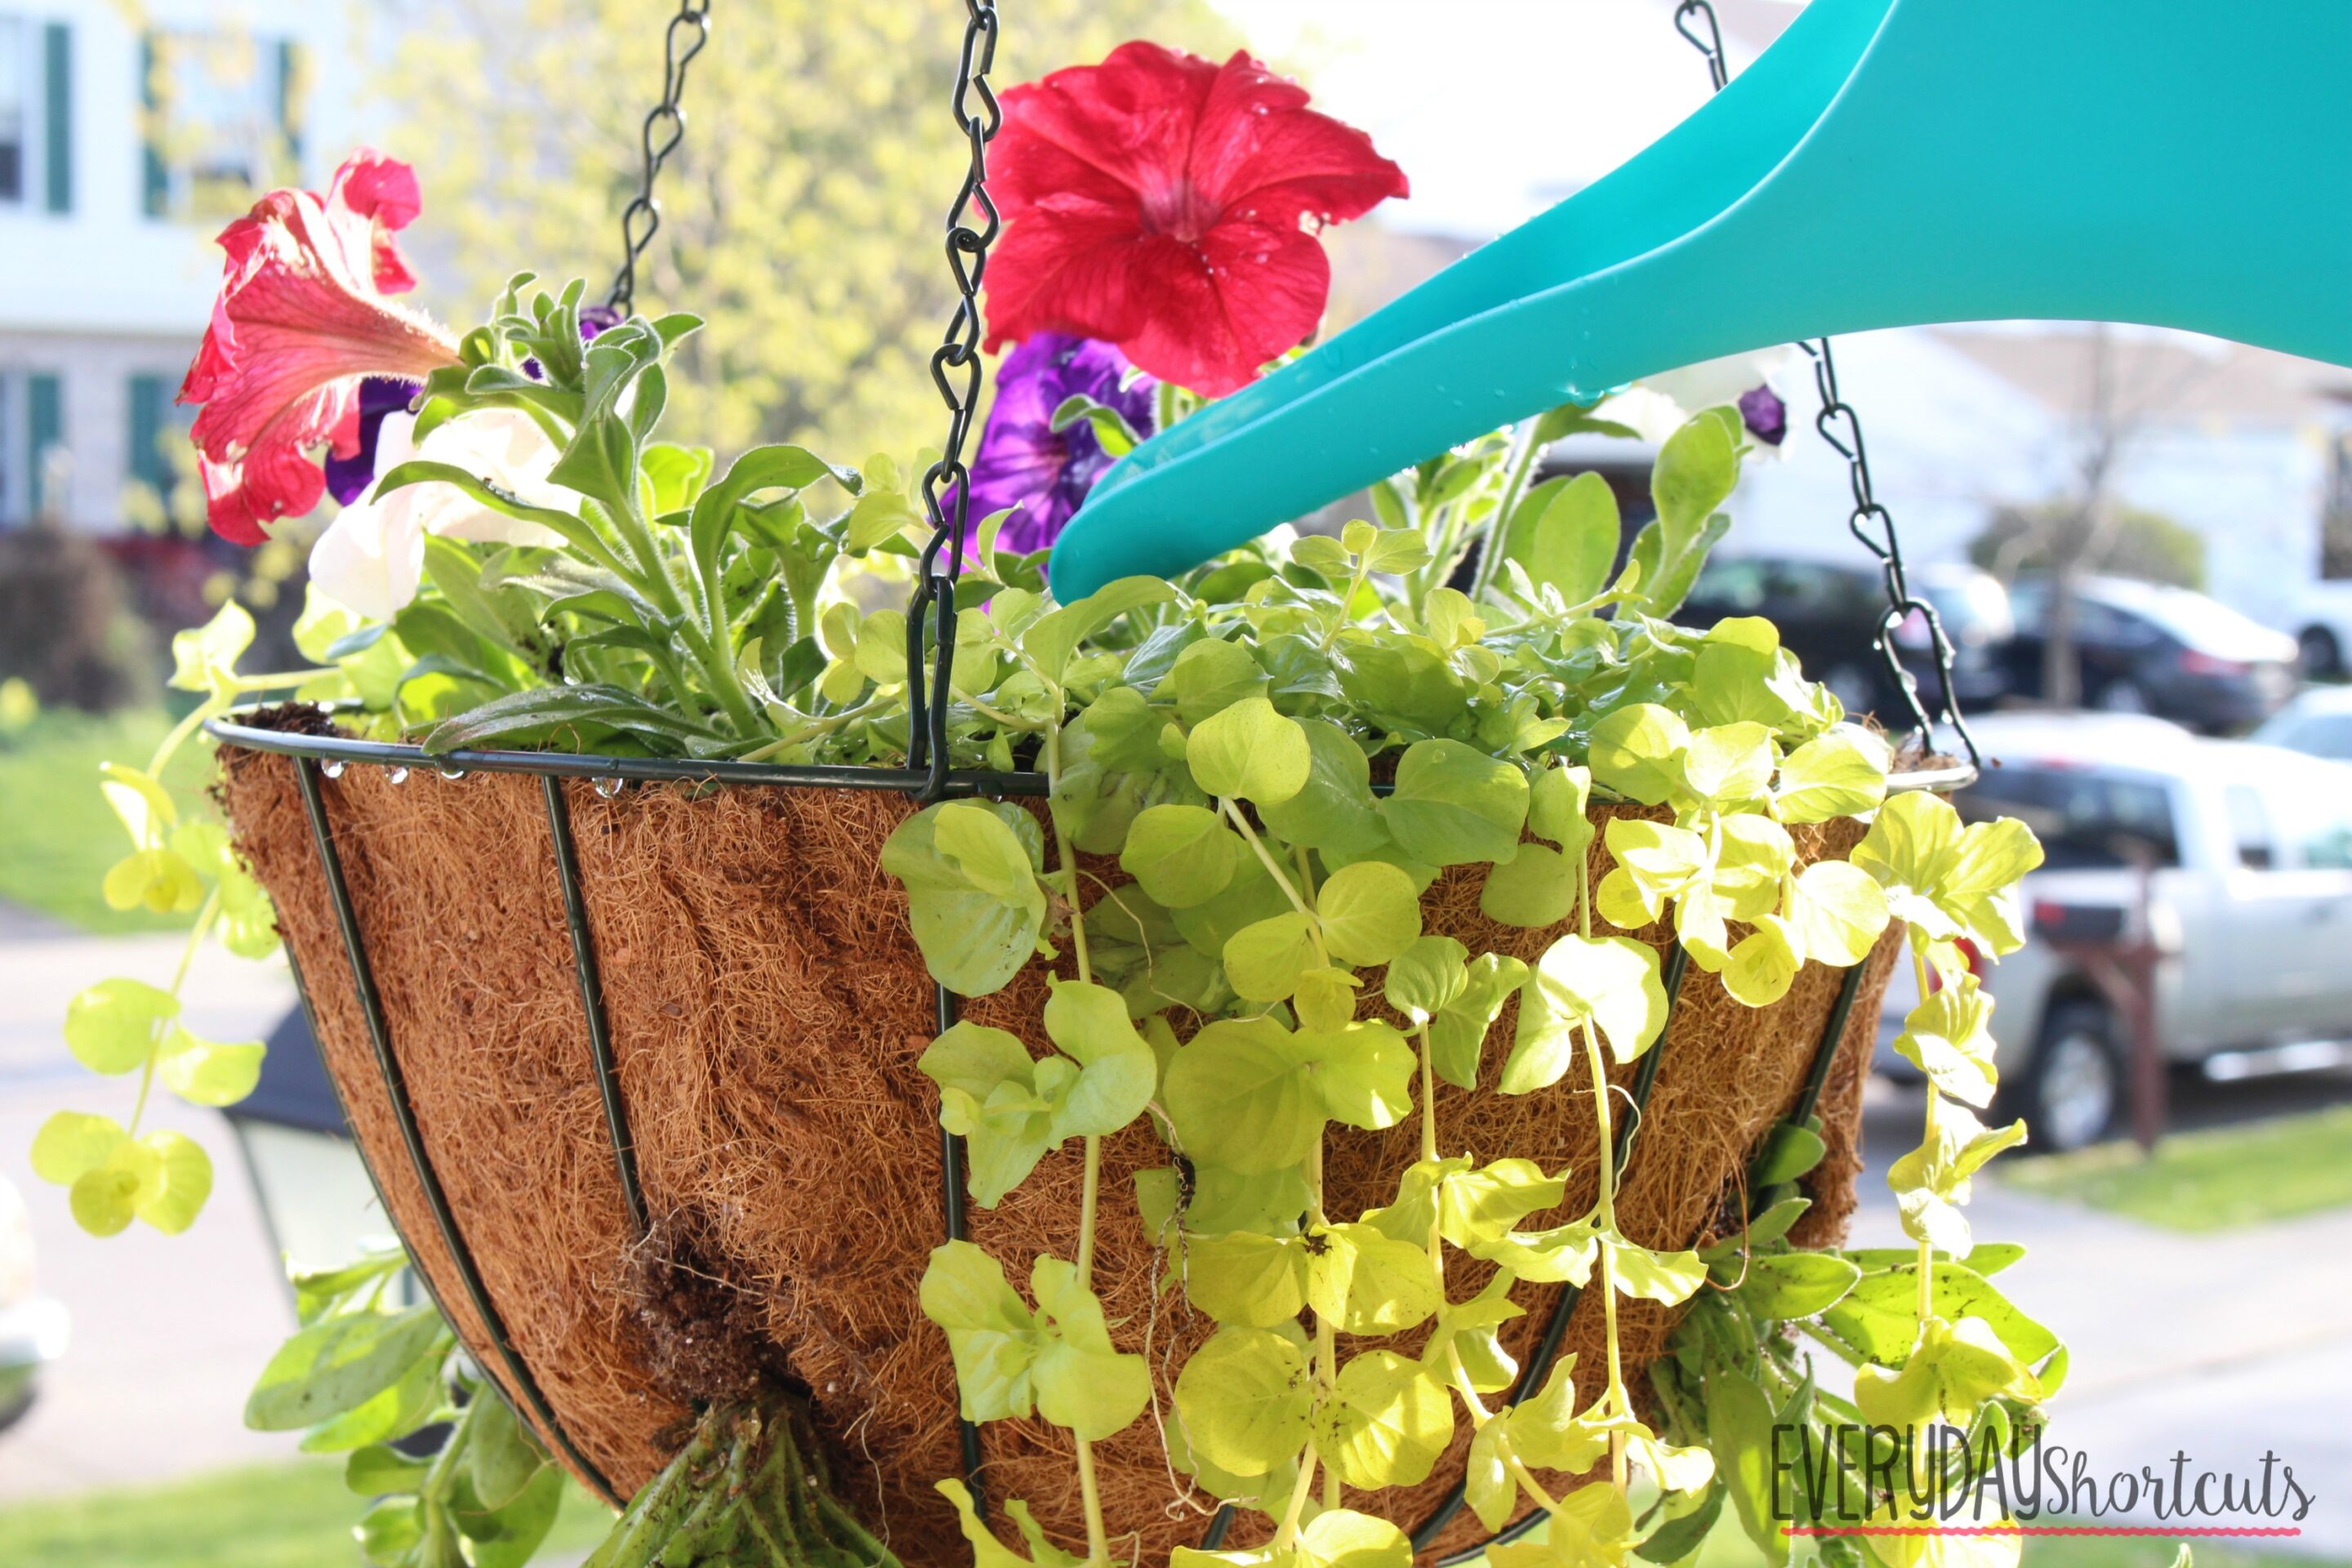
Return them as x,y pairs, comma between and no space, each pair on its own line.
1949,441
2254,493
103,292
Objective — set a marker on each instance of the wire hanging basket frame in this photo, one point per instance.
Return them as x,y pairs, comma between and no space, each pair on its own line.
956,370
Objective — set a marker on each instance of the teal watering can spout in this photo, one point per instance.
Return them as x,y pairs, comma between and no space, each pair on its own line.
1887,163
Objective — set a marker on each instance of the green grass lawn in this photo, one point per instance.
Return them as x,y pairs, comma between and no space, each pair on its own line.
269,1516
2211,1180
58,836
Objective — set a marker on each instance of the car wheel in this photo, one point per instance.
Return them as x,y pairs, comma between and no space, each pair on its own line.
2123,697
2322,656
2073,1084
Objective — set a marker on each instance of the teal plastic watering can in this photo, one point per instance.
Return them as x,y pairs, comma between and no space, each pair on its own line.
1887,163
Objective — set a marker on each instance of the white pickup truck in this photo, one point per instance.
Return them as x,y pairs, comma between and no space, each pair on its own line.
2251,906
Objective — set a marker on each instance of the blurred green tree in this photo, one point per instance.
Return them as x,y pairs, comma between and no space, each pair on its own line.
2133,543
801,216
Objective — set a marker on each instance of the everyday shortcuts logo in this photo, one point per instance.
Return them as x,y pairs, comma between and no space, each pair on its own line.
1877,1480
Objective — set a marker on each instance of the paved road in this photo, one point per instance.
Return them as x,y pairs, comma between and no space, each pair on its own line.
2225,1346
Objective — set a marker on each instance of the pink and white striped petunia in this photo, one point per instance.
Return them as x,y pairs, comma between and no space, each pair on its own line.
304,314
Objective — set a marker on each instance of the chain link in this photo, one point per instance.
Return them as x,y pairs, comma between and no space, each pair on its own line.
657,139
1870,521
971,227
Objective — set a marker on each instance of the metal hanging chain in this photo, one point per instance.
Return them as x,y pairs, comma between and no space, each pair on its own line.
659,137
971,227
1841,427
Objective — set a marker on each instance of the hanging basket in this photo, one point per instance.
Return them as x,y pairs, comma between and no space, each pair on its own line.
630,1048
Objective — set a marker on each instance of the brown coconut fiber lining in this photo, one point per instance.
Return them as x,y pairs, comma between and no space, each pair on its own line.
767,1007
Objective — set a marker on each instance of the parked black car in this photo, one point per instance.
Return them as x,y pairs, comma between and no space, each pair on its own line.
2147,648
1829,616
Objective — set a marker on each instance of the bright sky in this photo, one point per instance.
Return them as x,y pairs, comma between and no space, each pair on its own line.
1496,109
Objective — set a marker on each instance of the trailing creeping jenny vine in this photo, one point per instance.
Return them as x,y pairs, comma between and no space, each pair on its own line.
1217,736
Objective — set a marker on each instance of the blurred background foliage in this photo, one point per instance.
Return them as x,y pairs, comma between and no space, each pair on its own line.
2131,543
802,217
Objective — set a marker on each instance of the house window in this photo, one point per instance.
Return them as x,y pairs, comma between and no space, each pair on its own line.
36,115
15,110
221,119
157,459
33,463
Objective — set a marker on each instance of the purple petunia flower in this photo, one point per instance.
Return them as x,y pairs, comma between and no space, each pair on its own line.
594,319
1023,461
1766,416
349,478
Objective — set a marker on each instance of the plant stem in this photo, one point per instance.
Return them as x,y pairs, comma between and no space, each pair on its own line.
1515,485
718,664
205,915
1927,1250
812,726
1479,1417
1429,1120
180,732
1607,1207
1287,1536
1584,892
1274,869
1091,1494
1090,1200
1327,1341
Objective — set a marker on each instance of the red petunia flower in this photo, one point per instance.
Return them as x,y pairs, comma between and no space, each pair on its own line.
304,314
1170,205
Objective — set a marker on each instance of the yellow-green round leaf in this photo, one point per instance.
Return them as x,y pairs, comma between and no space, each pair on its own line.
1535,888
111,1026
1342,1538
1263,961
1245,1398
1763,964
207,1072
1454,805
1182,855
1840,773
1386,1422
1371,912
1638,751
184,1180
72,1142
1426,977
155,879
1326,999
1839,912
1559,808
101,1200
1249,751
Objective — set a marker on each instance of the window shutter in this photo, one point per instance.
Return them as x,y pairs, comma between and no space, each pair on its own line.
150,405
44,431
57,101
156,194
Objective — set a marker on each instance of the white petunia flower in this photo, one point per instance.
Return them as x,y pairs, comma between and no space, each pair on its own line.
371,557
